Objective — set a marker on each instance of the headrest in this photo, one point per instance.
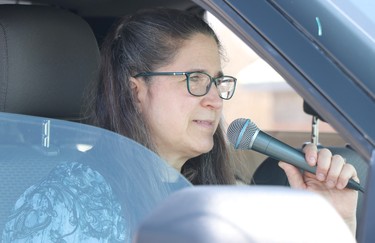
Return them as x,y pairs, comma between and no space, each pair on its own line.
48,56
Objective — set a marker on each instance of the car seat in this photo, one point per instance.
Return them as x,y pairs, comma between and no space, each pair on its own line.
48,57
62,180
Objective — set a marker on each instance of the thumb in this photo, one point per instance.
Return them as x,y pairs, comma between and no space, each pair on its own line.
294,175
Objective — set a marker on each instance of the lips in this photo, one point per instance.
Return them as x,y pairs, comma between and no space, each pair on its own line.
205,123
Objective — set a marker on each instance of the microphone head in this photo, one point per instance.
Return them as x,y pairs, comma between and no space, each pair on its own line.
241,132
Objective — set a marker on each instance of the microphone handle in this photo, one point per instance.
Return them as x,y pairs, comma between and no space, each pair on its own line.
265,144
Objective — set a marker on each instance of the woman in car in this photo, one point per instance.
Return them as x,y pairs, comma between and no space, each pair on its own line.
161,84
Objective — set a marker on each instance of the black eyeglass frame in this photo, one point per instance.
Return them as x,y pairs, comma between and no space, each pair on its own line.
187,75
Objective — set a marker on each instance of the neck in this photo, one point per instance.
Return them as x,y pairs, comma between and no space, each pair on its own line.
175,163
176,159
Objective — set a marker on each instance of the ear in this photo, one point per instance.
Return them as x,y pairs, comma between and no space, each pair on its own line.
139,89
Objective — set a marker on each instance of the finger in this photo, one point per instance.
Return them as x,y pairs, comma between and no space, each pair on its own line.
348,172
323,164
311,154
335,169
294,175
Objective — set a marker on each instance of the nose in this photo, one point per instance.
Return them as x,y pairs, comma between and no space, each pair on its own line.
212,99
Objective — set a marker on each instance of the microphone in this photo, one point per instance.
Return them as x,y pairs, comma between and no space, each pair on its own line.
244,134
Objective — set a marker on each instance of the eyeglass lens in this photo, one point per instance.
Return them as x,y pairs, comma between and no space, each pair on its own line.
199,84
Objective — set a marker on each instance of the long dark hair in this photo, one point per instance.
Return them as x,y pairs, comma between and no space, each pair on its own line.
143,42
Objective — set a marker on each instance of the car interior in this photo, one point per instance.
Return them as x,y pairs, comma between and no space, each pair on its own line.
46,76
49,56
48,81
77,61
42,69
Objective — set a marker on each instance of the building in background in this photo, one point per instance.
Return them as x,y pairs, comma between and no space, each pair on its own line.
262,94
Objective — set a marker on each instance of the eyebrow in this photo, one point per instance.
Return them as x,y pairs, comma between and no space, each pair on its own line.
218,74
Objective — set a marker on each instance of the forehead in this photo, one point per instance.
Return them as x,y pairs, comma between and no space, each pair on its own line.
200,52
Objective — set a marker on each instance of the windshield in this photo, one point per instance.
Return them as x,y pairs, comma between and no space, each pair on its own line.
360,13
343,30
64,181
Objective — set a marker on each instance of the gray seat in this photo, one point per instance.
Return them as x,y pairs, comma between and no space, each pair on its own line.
65,181
48,56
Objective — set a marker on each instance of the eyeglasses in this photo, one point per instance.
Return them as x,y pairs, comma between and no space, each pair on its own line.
199,83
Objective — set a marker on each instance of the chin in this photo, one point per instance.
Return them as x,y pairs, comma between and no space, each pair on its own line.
205,148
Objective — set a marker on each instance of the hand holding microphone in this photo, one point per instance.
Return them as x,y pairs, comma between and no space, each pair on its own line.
244,134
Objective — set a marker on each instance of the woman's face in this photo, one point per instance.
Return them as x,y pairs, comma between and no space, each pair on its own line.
183,125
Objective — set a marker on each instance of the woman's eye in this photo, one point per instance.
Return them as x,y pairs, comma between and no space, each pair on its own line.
195,78
198,77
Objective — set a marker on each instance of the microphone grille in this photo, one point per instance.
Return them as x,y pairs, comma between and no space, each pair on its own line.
240,133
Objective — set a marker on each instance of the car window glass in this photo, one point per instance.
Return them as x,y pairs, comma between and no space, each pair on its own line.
61,180
361,12
325,22
261,94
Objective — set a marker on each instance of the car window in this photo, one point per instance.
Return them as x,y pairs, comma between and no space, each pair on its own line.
266,98
261,94
325,22
92,181
345,66
359,12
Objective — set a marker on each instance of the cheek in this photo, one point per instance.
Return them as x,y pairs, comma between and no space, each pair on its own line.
161,109
169,118
170,112
168,107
